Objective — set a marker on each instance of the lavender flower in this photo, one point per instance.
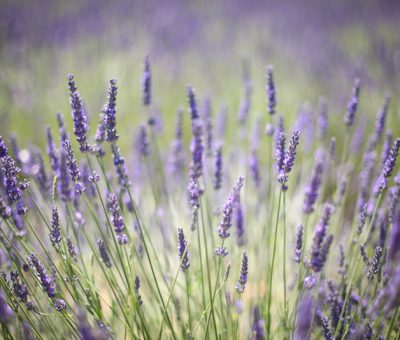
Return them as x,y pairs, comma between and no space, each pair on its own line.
110,112
104,253
64,185
143,145
6,313
353,104
55,231
289,159
241,284
3,148
311,193
46,281
192,103
319,248
195,192
239,223
271,93
280,141
178,157
391,159
120,167
305,313
137,286
61,127
197,148
71,249
386,147
78,115
101,134
325,327
227,211
5,210
218,168
183,250
60,305
255,168
52,150
19,290
322,118
258,331
381,118
146,82
298,253
116,218
374,263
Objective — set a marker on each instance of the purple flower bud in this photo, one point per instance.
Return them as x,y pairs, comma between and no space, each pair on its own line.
71,162
322,118
271,93
305,313
52,150
381,118
142,142
192,103
280,141
255,168
60,305
196,166
258,330
79,117
5,210
298,252
3,148
183,251
55,231
239,223
64,185
146,82
137,286
177,157
319,248
353,104
311,193
218,168
61,127
71,249
195,192
46,281
386,147
374,263
11,182
104,253
110,112
391,159
241,284
6,313
227,211
120,167
116,218
19,290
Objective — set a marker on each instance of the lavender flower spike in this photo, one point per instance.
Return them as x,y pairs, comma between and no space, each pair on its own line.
241,284
3,148
381,118
227,211
110,112
289,159
55,232
146,82
298,253
79,117
280,151
183,250
218,168
271,92
311,193
46,281
353,104
304,318
116,218
192,103
52,150
391,159
104,253
319,248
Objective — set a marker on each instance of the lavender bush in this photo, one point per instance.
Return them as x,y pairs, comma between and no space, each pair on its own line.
233,236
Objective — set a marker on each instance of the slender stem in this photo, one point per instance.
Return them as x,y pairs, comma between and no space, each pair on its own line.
271,268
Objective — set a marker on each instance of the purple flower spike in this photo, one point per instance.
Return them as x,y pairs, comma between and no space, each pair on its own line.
218,168
110,112
146,82
280,141
46,281
79,117
104,253
305,313
3,148
323,122
241,284
353,104
319,248
311,193
391,159
381,119
239,224
298,252
182,247
52,150
271,93
197,149
116,218
258,330
11,183
192,103
55,231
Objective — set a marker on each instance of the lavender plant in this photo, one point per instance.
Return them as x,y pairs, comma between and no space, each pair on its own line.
98,254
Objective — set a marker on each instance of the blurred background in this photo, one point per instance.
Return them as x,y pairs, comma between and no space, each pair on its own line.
317,49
